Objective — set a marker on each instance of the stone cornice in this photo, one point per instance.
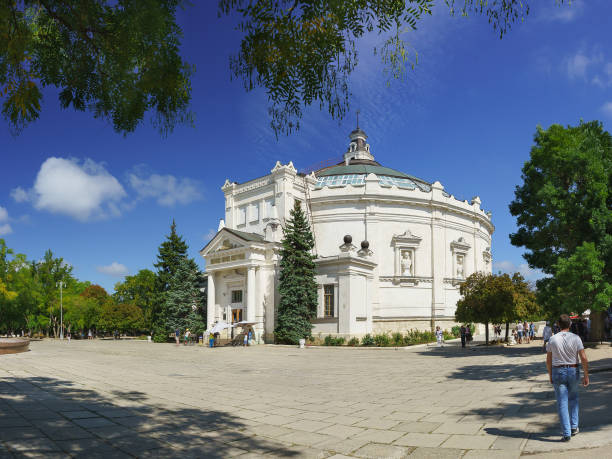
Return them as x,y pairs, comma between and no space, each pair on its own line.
406,280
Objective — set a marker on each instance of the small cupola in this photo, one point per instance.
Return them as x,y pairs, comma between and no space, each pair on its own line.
358,148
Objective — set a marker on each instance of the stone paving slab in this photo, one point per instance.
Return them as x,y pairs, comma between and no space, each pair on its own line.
135,399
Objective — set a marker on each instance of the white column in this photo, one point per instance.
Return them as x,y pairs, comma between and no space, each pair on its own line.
251,294
210,307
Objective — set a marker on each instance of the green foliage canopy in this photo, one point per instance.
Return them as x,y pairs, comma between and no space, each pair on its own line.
303,51
141,290
119,60
297,286
564,216
488,298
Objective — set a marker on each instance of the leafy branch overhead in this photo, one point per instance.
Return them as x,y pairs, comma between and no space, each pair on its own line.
119,60
303,51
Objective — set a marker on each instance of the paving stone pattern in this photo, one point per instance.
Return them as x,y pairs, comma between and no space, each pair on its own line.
116,399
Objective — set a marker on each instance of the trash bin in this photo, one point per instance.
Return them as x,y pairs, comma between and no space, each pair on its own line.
302,343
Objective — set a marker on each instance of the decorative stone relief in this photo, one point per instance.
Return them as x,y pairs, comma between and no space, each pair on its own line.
486,257
460,270
406,263
405,246
459,249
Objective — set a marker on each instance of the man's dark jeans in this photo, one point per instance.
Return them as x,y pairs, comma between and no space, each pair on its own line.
462,340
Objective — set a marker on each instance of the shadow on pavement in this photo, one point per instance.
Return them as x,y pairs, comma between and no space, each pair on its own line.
456,351
46,416
594,400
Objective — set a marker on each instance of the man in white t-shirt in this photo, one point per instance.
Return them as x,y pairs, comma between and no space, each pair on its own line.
519,332
562,352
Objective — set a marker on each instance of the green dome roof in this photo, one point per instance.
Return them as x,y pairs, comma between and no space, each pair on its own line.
366,169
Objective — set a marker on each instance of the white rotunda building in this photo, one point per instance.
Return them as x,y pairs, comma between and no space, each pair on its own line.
391,249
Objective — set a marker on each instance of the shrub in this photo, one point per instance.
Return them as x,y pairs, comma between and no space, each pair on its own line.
160,335
447,335
367,340
456,331
333,341
353,341
397,338
382,340
418,337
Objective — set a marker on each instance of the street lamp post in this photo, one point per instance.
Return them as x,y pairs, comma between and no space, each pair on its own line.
61,285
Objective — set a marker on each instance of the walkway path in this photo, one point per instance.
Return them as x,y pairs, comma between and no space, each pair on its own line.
132,398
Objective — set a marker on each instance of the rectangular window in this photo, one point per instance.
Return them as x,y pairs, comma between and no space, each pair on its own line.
268,203
254,217
328,299
236,296
242,215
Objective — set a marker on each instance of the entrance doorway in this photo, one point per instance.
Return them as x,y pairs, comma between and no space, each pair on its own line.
236,315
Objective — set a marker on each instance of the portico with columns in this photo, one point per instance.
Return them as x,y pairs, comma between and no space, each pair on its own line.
241,270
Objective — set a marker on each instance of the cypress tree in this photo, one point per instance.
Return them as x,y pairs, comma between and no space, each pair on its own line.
184,304
297,286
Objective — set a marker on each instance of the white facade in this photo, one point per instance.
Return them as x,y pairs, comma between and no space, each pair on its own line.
419,243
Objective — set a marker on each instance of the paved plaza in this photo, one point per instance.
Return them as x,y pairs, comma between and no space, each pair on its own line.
136,399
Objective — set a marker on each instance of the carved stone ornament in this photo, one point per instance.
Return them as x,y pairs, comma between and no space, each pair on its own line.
460,246
405,249
486,256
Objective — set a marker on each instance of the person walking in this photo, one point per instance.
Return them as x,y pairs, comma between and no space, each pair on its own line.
519,332
211,340
439,336
177,336
468,334
463,335
531,331
562,354
526,331
546,334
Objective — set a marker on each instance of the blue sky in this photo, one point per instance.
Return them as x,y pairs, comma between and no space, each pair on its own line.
465,116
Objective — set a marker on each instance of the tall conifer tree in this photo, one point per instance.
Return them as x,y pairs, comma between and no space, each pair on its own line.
171,252
184,305
297,286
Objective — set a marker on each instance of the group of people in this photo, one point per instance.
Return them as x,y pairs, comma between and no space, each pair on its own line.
187,337
524,332
465,331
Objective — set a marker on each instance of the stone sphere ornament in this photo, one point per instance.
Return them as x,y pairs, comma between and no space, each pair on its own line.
365,245
348,239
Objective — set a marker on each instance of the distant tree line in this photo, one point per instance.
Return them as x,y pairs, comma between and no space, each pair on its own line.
150,302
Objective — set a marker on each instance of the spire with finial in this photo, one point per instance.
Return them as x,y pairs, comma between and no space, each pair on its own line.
358,148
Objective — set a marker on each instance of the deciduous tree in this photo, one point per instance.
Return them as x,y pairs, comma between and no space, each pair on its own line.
303,51
488,298
564,216
118,60
141,290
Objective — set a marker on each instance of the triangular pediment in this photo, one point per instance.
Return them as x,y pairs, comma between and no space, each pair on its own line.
227,239
221,242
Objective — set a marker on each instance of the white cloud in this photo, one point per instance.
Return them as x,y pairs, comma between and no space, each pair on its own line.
563,12
168,190
5,228
20,195
509,267
577,65
607,108
114,269
65,186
